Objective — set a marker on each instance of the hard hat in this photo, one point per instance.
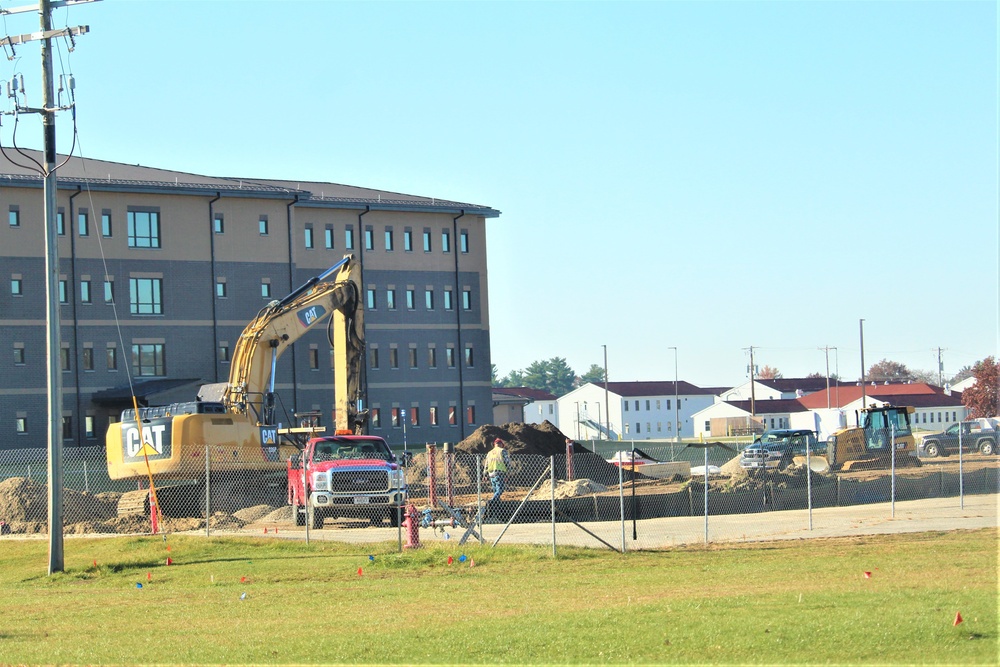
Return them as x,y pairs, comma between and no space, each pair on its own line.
497,441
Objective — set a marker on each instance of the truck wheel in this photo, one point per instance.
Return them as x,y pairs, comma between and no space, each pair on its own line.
931,449
317,522
300,515
393,517
987,447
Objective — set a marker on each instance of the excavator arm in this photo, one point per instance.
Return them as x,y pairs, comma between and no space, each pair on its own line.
335,294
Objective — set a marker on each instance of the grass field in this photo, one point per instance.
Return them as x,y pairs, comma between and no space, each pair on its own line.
806,602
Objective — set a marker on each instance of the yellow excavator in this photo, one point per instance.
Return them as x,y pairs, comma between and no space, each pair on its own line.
882,430
235,422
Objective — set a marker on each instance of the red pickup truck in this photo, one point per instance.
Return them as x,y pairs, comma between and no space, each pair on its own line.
352,476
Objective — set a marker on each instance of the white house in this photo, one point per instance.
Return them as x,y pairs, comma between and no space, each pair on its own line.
631,410
537,405
776,388
729,418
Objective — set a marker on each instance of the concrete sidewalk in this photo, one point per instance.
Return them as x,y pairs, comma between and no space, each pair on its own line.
933,514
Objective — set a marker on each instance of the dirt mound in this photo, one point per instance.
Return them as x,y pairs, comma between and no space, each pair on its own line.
535,439
25,500
578,487
251,514
284,514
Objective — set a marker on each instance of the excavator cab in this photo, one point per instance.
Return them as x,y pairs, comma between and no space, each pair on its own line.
870,445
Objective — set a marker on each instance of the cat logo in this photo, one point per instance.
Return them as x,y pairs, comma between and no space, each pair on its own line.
269,442
309,316
151,441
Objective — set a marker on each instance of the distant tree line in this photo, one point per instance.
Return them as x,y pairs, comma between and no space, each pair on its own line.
552,375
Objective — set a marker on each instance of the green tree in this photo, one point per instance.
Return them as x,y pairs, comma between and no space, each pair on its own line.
981,398
963,373
495,376
512,379
552,375
594,374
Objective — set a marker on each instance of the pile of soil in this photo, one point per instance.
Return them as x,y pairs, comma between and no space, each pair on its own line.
574,489
522,441
23,500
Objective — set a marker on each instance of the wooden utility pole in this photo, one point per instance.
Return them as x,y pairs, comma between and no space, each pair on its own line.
53,343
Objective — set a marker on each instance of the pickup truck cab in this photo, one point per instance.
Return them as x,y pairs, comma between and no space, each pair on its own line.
352,476
776,449
977,435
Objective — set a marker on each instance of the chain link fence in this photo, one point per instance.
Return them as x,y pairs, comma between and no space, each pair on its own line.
623,498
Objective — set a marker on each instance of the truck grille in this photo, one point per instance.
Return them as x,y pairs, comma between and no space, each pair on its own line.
359,481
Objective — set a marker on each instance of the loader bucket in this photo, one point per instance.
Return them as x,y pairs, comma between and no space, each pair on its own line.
817,463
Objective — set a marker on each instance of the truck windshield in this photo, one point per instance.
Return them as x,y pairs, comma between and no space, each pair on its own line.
345,450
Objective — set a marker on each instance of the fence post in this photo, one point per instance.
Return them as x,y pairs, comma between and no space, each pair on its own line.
208,488
479,497
706,495
809,488
449,462
552,476
86,478
892,443
432,474
961,476
621,500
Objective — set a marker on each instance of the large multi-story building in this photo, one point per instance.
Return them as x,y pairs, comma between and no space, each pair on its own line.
160,271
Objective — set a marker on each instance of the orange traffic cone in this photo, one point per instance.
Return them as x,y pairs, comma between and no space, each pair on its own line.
170,561
958,618
868,575
472,562
450,560
359,571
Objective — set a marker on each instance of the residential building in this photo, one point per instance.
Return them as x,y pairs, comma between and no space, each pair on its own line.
523,404
160,271
631,410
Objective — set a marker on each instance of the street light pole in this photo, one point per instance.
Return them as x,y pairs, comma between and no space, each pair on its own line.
677,407
607,407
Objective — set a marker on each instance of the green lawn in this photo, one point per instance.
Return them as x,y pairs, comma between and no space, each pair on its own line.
804,602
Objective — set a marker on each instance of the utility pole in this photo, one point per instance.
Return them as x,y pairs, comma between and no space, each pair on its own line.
753,408
827,350
864,396
48,173
940,369
677,407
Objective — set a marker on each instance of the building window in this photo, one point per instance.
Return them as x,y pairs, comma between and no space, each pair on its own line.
373,357
429,299
470,414
265,289
466,299
220,289
84,291
390,299
371,299
410,299
388,240
83,222
21,425
637,406
448,305
414,416
143,228
432,360
626,406
18,356
445,241
106,223
219,224
464,241
64,359
112,358
376,418
61,222
262,225
349,238
89,426
328,237
638,429
668,404
145,296
63,293
427,240
413,357
16,287
109,291
647,404
67,428
313,359
309,237
408,240
452,415
393,357
223,353
432,415
14,215
369,238
449,356
88,358
148,360
468,357
394,417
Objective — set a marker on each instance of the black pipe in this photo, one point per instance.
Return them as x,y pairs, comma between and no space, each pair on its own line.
211,252
458,325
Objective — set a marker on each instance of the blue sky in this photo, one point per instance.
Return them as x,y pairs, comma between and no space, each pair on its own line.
705,175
